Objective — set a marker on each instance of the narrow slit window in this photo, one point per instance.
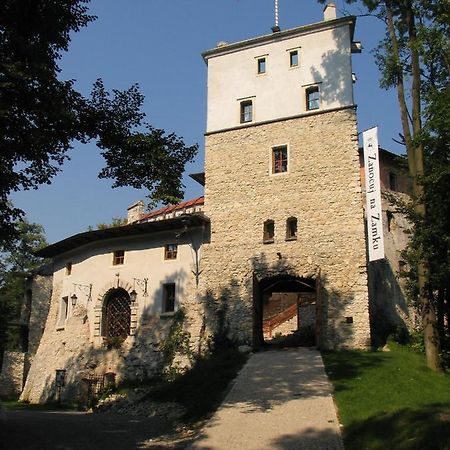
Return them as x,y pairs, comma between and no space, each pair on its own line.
279,159
63,311
312,98
168,297
68,268
293,58
291,229
246,111
268,231
118,257
393,184
261,65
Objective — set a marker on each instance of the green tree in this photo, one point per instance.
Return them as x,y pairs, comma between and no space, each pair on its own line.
41,115
17,260
413,57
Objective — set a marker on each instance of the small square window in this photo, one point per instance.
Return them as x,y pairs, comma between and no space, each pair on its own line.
119,257
68,268
261,65
293,58
168,297
279,159
312,98
268,231
170,251
246,111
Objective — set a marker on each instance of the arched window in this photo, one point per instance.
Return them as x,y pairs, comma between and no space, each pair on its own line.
268,231
291,228
117,314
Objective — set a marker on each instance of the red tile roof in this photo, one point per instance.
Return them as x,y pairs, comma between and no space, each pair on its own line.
172,208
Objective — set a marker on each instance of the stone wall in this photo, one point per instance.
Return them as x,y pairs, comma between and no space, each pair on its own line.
321,188
11,375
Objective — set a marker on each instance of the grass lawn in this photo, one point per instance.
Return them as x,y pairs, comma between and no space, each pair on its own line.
390,400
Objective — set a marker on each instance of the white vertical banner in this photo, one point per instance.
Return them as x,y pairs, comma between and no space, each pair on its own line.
374,211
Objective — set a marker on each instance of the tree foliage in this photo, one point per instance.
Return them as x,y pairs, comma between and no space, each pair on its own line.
413,58
17,261
42,115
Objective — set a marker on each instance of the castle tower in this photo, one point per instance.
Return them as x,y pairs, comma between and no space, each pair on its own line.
282,186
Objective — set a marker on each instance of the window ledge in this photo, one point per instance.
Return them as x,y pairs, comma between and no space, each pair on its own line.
269,241
60,327
291,238
167,314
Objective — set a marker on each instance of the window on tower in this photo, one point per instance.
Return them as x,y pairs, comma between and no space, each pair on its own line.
279,159
312,98
246,111
268,231
293,58
261,65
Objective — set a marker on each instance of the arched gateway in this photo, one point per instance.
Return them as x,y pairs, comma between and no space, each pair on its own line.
284,304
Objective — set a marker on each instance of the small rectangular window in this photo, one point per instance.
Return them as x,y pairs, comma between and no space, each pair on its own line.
68,268
268,231
279,159
119,257
312,98
293,58
261,65
393,185
170,251
291,229
63,311
246,111
168,297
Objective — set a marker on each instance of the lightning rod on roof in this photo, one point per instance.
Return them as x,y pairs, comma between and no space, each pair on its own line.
276,27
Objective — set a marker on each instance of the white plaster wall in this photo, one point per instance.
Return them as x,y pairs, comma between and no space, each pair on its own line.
324,58
144,258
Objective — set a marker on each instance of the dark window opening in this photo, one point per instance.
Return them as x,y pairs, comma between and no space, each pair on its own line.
119,257
393,182
168,297
291,228
390,219
69,268
246,111
171,251
279,159
268,231
312,98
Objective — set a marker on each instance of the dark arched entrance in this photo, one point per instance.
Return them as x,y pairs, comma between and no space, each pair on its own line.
116,314
284,305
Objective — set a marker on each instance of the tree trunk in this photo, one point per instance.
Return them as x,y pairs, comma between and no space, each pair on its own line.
416,169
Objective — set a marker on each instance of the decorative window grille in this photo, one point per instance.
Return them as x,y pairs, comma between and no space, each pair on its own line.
117,314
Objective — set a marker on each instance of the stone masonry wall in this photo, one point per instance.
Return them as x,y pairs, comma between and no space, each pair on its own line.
11,375
322,189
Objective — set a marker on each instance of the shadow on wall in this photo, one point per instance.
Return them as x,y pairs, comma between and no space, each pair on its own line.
334,72
388,306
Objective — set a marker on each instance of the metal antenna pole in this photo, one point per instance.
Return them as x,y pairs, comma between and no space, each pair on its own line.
276,28
276,13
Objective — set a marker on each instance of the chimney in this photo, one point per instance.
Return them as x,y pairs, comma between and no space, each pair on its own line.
329,12
135,211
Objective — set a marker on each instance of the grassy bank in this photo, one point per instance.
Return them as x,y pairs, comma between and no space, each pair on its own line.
390,400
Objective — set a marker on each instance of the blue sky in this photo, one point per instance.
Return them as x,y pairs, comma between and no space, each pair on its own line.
158,44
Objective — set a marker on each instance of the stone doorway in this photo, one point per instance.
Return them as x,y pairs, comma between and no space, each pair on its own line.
286,310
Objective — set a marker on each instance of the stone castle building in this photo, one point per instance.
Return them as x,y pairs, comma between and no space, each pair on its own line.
276,245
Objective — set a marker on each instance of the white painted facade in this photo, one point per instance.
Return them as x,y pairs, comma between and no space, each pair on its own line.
92,265
324,60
